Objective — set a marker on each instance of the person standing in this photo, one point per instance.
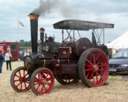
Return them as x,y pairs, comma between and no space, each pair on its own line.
8,56
1,60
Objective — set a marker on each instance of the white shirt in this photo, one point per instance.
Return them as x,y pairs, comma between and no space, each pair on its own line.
7,56
26,54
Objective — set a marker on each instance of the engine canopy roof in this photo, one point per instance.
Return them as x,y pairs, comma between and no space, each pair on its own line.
81,25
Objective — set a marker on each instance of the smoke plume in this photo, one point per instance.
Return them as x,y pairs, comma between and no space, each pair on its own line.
60,6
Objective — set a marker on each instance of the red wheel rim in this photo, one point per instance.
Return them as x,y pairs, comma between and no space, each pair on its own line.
96,68
43,81
21,80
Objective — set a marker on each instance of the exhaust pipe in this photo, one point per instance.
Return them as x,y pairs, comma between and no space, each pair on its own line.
34,32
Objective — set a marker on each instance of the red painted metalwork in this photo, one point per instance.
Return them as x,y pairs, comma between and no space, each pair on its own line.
20,80
42,81
96,68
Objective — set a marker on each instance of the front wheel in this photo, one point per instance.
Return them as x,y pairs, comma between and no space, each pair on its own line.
42,81
20,79
93,67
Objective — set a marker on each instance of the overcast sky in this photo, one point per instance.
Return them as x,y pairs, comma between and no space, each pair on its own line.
12,11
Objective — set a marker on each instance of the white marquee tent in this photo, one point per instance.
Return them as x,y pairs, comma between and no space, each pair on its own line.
119,43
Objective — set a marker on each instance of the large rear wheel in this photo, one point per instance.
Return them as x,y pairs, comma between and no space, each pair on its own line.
93,67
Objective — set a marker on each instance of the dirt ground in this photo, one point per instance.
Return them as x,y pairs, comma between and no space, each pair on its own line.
116,91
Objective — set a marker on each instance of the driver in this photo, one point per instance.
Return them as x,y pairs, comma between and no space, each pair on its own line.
51,44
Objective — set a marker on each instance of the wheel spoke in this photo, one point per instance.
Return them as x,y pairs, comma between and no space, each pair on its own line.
27,76
18,84
24,73
89,62
88,75
25,86
94,59
42,75
38,87
36,80
103,65
91,74
21,85
43,89
49,82
88,66
16,80
89,69
48,78
17,75
97,77
39,76
97,57
93,80
101,71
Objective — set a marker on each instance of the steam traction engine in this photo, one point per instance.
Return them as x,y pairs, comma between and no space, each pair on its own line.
71,61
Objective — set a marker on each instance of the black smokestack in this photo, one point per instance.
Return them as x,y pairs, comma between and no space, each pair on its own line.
34,31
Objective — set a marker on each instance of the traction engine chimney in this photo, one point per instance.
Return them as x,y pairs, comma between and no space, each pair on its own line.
34,32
